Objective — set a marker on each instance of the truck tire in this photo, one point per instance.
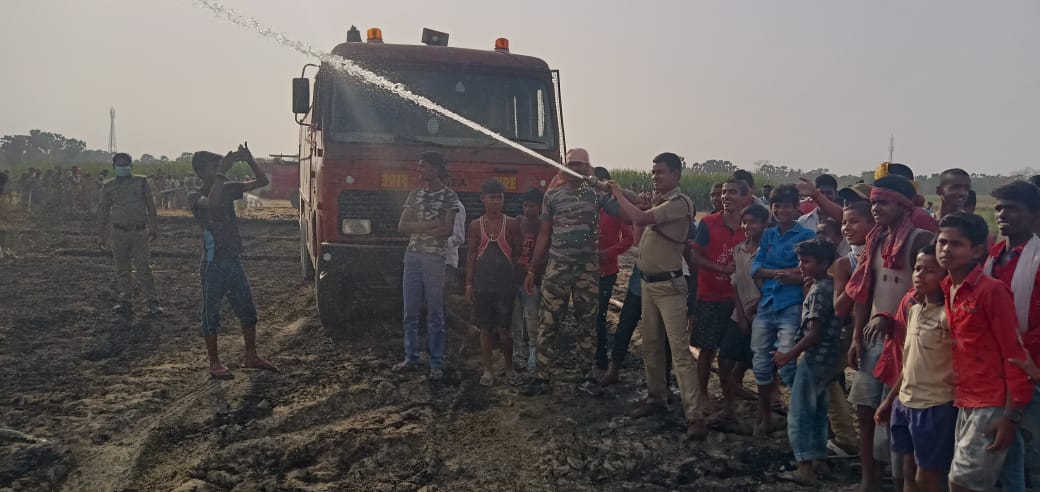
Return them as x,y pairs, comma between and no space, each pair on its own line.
306,265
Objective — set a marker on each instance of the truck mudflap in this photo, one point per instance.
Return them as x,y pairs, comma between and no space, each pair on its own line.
358,283
354,281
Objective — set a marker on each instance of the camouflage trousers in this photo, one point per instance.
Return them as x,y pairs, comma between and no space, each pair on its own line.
562,281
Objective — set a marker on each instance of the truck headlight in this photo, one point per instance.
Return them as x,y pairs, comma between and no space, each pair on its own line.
356,227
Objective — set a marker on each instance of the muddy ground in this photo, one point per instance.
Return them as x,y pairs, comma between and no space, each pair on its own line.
118,404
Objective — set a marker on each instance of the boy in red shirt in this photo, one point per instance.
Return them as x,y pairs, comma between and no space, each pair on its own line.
1016,262
717,235
990,392
615,237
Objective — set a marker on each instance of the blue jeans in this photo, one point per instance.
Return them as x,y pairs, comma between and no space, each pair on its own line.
1021,454
424,281
772,331
807,415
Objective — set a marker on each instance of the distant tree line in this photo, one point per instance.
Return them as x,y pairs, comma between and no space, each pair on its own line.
40,148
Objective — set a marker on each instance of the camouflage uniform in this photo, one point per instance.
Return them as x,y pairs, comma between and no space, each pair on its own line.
572,271
127,201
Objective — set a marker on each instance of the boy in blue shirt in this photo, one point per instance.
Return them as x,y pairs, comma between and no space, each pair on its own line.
779,311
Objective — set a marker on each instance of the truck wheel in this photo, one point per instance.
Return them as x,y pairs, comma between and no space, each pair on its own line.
329,296
306,265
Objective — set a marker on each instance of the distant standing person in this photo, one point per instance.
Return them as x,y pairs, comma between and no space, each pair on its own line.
429,220
221,267
128,217
767,190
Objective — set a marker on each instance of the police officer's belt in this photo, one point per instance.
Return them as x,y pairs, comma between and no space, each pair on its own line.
660,277
129,228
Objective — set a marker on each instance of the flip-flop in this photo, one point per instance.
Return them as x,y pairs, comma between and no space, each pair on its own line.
222,375
487,380
514,379
266,366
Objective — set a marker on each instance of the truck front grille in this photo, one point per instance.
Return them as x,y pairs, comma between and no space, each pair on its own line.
383,208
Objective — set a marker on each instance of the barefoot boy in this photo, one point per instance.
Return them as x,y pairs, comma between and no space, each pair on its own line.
817,349
494,241
221,269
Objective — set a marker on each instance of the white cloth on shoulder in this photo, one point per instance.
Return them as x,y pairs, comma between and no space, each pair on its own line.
458,237
1023,279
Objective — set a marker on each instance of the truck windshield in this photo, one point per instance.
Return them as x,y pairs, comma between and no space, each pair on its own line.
517,108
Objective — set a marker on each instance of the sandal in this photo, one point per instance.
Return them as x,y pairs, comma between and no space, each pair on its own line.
221,374
262,366
514,378
487,379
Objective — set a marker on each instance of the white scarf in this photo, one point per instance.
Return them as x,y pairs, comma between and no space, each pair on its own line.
1023,278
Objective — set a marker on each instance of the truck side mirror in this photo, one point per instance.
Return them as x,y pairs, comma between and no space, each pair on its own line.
301,95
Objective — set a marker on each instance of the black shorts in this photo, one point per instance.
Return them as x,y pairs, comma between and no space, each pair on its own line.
493,310
735,345
711,321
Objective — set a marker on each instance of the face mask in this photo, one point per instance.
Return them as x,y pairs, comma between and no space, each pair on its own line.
122,171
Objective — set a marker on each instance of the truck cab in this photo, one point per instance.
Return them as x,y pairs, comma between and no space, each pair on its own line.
360,144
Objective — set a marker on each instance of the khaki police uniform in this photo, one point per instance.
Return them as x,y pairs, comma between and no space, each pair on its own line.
127,203
664,302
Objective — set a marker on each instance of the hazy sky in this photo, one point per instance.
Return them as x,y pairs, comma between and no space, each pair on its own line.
804,83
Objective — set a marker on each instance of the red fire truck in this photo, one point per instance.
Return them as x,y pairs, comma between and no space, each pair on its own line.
359,148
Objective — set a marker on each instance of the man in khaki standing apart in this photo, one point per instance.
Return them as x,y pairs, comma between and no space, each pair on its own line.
127,206
661,250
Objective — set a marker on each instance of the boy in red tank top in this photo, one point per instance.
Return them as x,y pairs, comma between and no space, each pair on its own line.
493,242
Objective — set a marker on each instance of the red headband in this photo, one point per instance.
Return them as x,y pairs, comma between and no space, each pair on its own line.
878,193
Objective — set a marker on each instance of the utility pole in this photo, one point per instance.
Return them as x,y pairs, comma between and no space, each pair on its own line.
112,131
891,146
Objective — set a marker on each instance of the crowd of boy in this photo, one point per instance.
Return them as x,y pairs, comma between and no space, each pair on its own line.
937,321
